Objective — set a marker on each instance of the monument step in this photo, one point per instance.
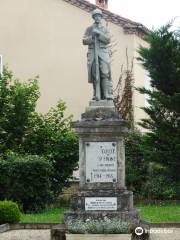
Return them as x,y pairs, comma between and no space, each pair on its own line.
126,216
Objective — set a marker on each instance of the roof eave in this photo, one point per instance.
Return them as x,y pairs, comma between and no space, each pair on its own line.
128,25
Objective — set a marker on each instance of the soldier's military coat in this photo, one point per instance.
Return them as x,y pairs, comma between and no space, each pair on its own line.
102,49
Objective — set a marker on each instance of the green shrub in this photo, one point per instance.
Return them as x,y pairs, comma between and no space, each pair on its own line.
103,226
136,166
158,186
26,180
9,212
144,177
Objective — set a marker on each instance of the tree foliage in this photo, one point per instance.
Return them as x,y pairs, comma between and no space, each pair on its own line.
136,166
27,180
162,61
51,135
27,132
17,104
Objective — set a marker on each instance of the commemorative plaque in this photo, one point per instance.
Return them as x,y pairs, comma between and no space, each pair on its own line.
100,203
101,162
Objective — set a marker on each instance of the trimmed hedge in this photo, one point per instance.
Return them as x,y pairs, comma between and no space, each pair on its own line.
9,212
27,181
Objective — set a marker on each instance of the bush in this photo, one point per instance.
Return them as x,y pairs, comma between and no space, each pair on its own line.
158,186
26,180
9,212
146,178
136,166
103,226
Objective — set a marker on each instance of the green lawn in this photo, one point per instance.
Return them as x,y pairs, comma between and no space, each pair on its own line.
150,213
165,213
49,215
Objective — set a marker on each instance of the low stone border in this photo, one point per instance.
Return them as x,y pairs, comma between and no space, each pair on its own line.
4,228
18,226
58,230
165,225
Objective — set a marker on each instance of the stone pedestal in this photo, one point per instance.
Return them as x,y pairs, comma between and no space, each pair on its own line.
102,191
107,104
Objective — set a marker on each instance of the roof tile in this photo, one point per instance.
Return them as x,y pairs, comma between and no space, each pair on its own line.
128,25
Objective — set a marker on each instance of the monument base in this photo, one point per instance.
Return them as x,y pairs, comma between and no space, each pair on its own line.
101,104
103,193
128,216
97,204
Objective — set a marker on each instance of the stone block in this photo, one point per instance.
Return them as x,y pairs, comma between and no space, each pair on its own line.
4,227
58,232
98,237
126,216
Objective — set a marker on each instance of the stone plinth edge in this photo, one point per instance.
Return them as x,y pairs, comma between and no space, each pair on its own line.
101,114
4,228
101,121
101,104
126,216
98,236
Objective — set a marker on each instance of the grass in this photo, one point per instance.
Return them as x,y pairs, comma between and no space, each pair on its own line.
164,213
48,215
150,213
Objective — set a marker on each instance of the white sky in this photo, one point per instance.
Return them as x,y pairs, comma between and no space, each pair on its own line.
151,13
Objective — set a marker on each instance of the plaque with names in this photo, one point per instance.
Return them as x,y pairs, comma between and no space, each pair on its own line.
101,162
101,203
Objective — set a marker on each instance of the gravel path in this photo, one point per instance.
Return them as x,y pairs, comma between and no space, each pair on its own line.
170,234
26,235
45,235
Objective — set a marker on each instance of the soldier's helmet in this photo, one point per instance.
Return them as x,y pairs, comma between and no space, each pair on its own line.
97,11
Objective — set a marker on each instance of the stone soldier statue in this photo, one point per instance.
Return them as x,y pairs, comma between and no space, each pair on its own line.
97,37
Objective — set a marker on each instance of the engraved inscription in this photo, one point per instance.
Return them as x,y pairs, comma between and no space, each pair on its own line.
101,203
101,162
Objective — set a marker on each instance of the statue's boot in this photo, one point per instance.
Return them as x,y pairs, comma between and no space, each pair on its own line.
94,92
110,90
107,89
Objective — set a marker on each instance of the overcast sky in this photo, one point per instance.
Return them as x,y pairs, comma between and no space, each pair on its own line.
151,13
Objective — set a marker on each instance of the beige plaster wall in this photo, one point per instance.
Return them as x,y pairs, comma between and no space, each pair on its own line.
140,76
44,37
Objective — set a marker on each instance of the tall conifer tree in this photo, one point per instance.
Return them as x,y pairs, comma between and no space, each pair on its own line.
162,61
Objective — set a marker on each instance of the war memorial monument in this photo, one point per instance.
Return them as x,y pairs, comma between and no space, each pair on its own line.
101,131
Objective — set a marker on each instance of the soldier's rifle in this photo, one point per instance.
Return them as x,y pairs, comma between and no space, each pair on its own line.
97,80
